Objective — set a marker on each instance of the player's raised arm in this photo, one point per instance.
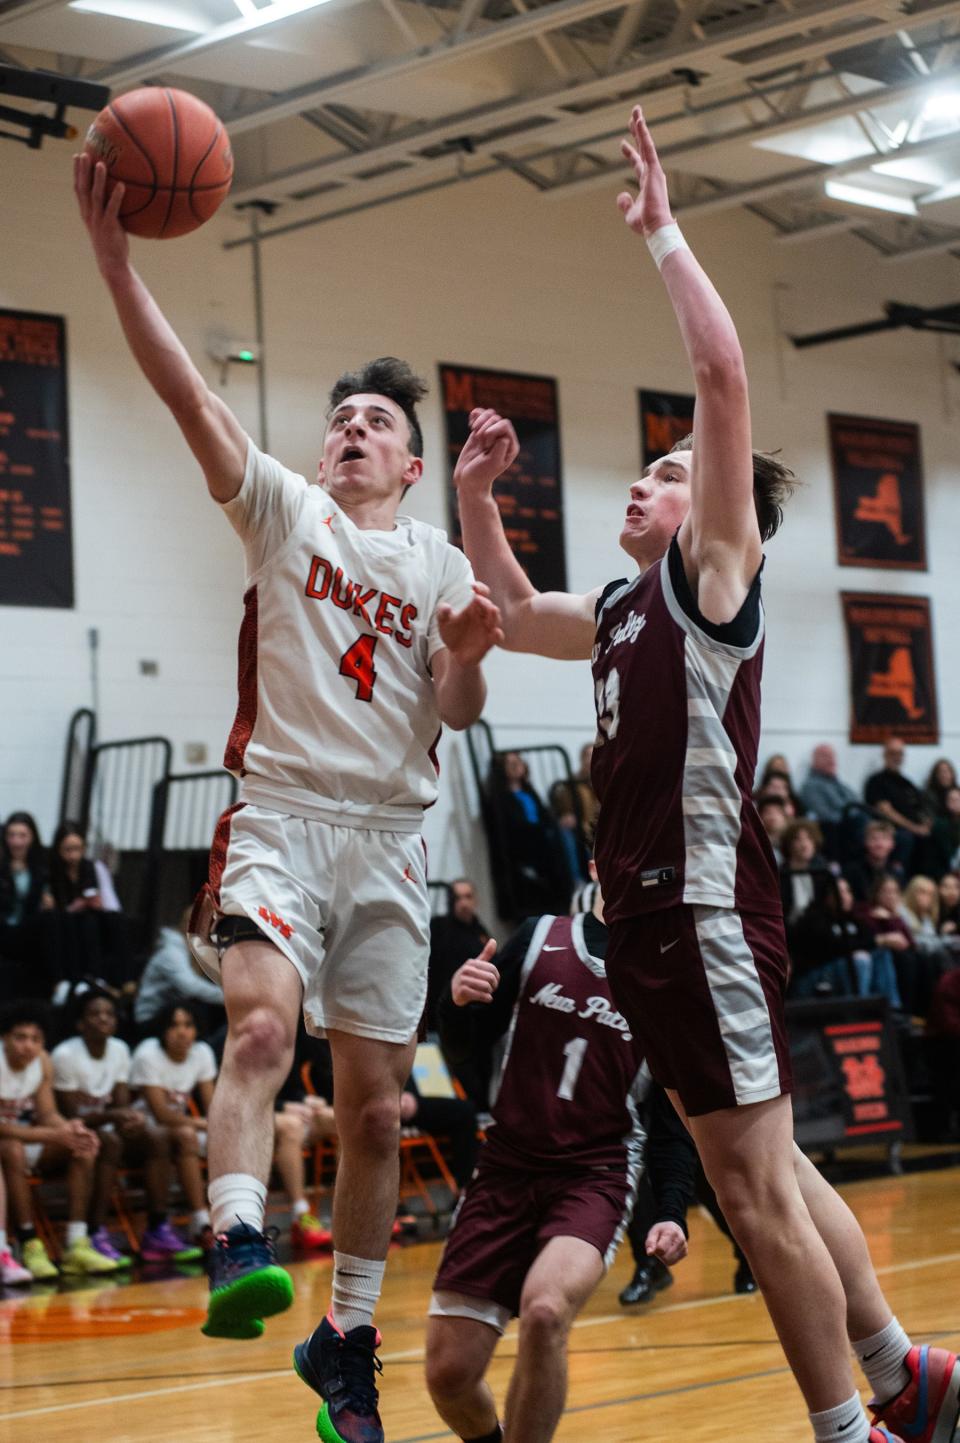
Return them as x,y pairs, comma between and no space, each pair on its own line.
720,539
210,429
550,623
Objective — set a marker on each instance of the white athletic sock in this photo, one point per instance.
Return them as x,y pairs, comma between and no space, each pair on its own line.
75,1231
237,1197
201,1220
3,1240
356,1288
882,1359
300,1207
847,1423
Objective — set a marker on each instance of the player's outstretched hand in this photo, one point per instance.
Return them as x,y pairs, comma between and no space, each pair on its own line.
490,448
477,980
100,215
650,208
469,634
666,1242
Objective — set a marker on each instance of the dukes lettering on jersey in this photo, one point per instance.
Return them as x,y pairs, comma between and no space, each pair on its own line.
376,609
337,707
678,727
571,1076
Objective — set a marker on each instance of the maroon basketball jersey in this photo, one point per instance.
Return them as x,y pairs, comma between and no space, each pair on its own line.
572,1074
678,726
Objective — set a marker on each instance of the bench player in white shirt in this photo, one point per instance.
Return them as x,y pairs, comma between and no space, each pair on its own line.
363,633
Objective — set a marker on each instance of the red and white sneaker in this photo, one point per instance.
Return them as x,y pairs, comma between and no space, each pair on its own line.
928,1408
308,1232
12,1274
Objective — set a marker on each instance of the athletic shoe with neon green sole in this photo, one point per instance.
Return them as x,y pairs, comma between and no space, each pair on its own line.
342,1368
81,1259
37,1262
246,1284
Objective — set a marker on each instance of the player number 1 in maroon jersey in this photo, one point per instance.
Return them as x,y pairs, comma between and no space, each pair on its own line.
356,664
574,1052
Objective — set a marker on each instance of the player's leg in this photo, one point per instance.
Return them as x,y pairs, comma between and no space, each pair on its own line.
338,1360
561,1280
459,1350
104,1182
917,1390
80,1256
262,992
16,1166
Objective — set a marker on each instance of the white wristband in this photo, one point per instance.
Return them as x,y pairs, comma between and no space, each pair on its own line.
661,242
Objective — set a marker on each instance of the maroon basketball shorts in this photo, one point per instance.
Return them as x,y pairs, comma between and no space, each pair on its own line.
506,1216
702,988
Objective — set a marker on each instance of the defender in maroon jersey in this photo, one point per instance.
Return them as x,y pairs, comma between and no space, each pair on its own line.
574,1119
697,957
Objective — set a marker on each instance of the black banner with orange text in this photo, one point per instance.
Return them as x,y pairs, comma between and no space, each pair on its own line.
665,418
892,684
878,493
849,1086
36,552
530,493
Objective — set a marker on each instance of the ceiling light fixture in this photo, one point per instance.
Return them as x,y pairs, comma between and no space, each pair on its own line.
874,199
942,105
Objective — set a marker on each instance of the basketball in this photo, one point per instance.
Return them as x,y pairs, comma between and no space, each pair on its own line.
172,155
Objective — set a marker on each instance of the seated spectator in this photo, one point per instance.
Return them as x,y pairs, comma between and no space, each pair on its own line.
829,800
941,779
27,937
875,860
94,941
533,872
777,771
453,1118
566,809
810,910
873,967
91,1074
883,915
920,909
896,799
302,1119
171,976
36,1139
774,818
778,787
167,1070
945,838
949,893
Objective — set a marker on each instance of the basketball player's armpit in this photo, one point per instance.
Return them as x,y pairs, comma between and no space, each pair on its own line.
671,1160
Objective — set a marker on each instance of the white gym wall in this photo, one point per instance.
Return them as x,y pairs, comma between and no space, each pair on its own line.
487,274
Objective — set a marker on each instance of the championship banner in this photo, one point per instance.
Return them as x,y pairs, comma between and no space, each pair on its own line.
878,493
530,493
665,417
849,1086
892,685
36,552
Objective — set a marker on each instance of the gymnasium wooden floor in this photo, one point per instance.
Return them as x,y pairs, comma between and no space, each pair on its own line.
118,1363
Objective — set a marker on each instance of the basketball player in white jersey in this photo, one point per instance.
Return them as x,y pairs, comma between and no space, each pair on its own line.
363,633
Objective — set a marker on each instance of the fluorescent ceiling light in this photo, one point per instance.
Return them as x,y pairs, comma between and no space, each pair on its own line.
832,142
945,192
246,7
875,199
148,12
942,105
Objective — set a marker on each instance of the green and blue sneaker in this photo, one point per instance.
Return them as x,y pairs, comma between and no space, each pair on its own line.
246,1284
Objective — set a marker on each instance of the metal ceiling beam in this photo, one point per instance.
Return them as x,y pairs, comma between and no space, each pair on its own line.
550,17
947,246
29,7
588,128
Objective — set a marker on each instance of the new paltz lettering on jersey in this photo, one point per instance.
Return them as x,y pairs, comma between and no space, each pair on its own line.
572,1073
678,726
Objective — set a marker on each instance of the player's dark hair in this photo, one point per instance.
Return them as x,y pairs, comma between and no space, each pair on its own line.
388,377
36,855
164,1019
773,485
26,1011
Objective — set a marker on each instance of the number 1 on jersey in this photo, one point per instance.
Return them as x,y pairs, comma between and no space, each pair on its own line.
574,1052
356,664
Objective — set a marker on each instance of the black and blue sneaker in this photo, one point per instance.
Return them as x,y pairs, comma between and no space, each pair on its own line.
246,1284
342,1368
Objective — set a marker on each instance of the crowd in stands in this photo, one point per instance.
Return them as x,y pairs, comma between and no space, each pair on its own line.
110,1073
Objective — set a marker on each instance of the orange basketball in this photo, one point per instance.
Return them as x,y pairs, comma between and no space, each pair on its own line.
172,154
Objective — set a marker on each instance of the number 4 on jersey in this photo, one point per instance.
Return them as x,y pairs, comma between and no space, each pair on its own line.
356,664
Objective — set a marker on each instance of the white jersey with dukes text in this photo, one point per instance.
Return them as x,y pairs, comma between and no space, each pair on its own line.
75,1069
151,1066
337,714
